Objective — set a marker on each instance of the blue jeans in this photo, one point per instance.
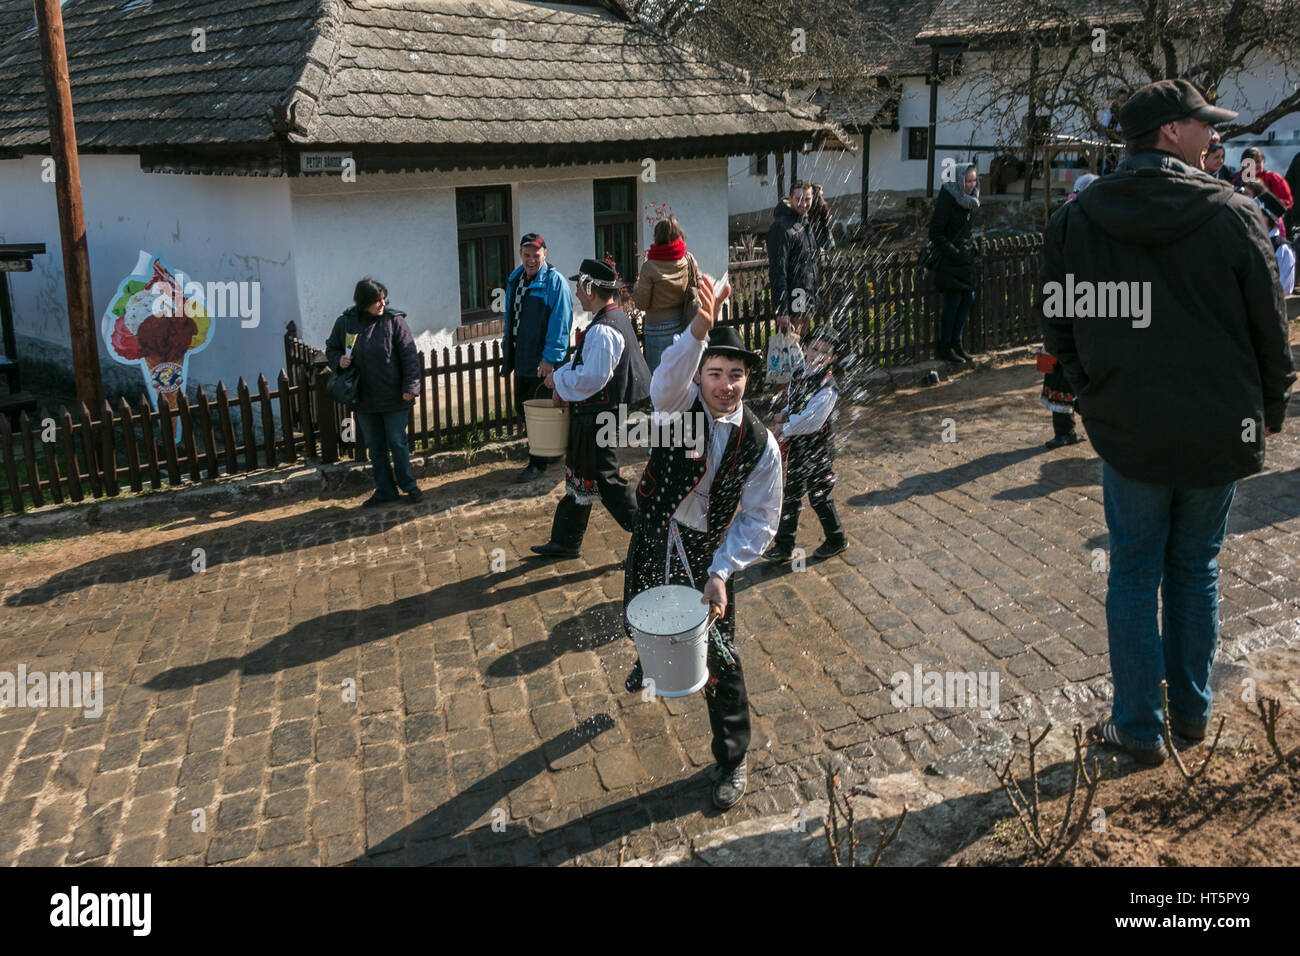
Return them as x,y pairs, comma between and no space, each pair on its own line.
1163,538
658,336
385,433
952,323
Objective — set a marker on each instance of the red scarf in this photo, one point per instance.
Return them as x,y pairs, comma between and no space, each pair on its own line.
673,250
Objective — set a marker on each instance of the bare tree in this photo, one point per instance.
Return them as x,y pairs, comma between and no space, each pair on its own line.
1069,58
791,43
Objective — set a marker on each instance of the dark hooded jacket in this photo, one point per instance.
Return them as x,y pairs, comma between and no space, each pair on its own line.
384,352
1177,388
950,231
791,261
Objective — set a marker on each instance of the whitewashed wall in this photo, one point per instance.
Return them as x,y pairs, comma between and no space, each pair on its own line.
401,228
213,228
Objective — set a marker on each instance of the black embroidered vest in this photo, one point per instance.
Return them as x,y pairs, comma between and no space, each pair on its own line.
819,444
630,382
671,474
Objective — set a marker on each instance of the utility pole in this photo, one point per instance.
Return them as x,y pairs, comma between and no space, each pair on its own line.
72,217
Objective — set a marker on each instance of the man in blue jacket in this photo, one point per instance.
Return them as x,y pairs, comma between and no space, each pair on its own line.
535,341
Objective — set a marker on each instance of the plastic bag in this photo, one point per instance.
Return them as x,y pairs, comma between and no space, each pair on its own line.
784,357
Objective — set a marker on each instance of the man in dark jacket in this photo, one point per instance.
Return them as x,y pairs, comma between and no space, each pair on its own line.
1161,300
792,259
535,333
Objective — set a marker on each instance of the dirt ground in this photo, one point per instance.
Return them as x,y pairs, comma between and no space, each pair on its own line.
1243,811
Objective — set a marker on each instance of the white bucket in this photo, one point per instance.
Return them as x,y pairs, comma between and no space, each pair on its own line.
548,427
670,627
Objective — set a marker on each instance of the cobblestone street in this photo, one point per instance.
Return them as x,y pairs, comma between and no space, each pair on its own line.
489,723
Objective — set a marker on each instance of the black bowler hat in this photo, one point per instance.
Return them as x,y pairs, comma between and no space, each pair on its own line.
600,274
1163,102
725,340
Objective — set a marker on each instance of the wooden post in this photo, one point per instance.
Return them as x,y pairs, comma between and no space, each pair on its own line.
72,217
780,176
866,171
933,80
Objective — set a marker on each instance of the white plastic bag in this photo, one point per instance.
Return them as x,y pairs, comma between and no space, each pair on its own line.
784,357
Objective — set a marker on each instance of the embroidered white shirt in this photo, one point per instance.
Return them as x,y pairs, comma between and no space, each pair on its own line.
754,527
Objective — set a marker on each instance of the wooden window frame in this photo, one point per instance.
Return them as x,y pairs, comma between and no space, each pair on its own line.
471,233
628,218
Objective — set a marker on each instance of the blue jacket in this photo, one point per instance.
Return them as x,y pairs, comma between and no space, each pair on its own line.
543,333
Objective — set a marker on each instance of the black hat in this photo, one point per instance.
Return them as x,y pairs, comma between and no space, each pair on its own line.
828,333
725,340
1162,102
601,274
532,239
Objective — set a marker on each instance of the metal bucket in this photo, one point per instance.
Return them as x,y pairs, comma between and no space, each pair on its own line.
670,626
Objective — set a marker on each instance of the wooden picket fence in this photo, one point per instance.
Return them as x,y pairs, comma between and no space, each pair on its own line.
885,303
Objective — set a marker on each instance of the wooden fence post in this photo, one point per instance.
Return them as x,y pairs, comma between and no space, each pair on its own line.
325,417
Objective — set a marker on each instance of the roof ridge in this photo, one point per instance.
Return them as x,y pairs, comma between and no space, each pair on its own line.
293,115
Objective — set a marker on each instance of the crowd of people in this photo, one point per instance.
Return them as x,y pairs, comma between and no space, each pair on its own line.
1177,408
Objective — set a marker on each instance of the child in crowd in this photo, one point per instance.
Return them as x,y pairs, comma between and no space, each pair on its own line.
805,422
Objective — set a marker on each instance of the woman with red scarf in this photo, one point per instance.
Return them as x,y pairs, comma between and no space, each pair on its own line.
669,275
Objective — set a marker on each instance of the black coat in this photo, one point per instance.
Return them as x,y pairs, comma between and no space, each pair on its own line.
950,231
1182,396
384,352
791,261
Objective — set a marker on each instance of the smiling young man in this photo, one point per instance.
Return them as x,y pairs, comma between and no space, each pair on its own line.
703,518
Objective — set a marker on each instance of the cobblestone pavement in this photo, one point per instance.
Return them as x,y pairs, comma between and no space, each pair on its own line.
489,724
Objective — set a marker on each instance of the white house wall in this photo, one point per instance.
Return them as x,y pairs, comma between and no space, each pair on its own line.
401,228
752,197
212,228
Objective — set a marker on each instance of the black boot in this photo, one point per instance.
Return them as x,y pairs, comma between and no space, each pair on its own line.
836,541
783,544
943,353
567,529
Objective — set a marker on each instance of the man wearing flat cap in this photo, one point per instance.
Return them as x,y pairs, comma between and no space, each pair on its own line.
535,334
1173,335
607,370
704,517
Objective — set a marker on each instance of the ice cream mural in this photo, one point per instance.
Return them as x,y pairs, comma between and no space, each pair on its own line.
157,320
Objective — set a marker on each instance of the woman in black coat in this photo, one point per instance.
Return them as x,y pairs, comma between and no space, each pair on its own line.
378,340
957,270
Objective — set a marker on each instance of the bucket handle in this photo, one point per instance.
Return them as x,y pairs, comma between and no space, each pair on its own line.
715,615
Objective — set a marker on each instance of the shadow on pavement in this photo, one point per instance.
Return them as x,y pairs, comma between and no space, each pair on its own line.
1055,474
593,628
323,637
221,545
946,478
434,836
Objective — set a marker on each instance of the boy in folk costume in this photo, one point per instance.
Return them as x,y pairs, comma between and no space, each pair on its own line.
806,423
607,370
704,517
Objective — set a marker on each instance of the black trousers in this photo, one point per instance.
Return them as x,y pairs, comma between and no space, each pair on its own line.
724,694
526,389
808,472
590,471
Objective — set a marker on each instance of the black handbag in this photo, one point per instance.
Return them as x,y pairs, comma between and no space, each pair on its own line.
344,385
